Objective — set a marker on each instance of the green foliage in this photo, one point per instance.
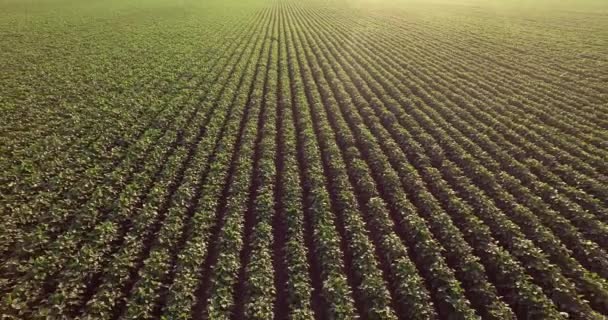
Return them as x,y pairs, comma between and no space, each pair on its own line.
328,159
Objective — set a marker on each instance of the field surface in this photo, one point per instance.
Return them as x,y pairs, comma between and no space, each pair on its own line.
314,159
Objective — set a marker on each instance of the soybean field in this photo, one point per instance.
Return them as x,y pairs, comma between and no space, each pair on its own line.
303,159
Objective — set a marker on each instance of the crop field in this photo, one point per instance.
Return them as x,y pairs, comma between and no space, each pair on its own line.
303,159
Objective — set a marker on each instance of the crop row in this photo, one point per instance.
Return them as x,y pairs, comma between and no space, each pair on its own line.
316,161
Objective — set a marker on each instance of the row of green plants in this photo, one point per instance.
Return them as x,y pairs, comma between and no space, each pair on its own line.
290,202
314,163
71,176
521,76
131,212
103,179
332,295
225,193
141,284
389,183
457,254
472,72
586,179
490,161
364,272
243,200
